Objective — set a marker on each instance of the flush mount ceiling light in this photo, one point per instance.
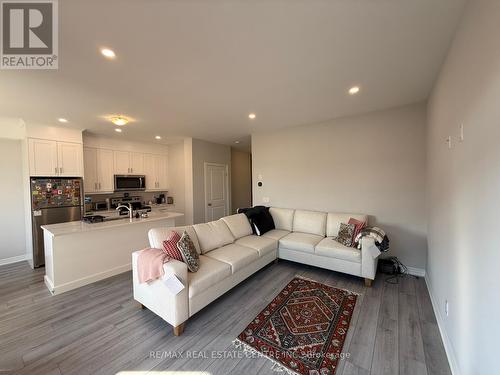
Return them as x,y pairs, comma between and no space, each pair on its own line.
236,142
354,90
118,130
252,116
63,120
158,137
108,53
119,120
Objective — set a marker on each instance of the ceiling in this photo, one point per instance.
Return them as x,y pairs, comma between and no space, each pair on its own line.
198,68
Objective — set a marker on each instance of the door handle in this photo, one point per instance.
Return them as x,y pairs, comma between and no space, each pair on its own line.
60,170
99,186
95,185
210,205
55,170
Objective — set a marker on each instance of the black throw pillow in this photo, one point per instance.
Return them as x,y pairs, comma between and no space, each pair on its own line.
260,219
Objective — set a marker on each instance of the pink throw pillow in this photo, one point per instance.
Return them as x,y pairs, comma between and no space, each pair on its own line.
170,246
358,225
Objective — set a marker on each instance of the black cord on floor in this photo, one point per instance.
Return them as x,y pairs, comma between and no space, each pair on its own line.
402,271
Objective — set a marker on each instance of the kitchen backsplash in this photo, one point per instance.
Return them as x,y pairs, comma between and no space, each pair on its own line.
146,196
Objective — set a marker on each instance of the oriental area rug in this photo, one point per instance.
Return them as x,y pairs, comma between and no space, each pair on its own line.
303,329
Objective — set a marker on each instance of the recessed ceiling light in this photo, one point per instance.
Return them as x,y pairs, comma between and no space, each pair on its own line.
252,116
62,120
158,137
354,90
236,142
119,120
110,54
118,130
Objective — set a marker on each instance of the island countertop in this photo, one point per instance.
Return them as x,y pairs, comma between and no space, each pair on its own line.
80,226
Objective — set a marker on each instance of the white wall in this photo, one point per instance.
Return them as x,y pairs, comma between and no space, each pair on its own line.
12,226
206,152
372,164
464,190
241,179
176,178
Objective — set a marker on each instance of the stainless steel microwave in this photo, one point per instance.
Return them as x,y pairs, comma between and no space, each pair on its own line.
130,183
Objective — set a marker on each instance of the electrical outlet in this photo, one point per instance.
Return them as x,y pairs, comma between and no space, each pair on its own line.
266,199
446,308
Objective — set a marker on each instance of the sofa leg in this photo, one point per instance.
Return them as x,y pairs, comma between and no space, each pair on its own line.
143,307
368,282
179,329
276,261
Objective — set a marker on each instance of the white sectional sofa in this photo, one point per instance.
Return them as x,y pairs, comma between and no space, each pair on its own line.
229,253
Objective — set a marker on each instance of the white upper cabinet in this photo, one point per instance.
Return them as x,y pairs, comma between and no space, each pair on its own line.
122,162
155,167
150,172
42,157
105,171
99,170
136,163
51,158
90,168
70,159
163,172
128,162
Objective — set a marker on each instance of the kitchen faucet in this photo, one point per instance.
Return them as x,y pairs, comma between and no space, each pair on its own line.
128,207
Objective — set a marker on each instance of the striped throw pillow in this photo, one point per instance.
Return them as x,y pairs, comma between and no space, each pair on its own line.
170,246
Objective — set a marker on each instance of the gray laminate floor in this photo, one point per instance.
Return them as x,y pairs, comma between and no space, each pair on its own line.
99,329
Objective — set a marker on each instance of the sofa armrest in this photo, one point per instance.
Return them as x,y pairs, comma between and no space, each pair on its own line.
173,308
369,257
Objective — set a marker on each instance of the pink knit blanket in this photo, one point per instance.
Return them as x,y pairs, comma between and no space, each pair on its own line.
150,264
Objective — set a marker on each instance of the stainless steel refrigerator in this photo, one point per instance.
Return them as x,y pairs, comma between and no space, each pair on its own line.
53,200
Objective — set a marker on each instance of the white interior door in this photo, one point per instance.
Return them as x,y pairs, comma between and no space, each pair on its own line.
216,191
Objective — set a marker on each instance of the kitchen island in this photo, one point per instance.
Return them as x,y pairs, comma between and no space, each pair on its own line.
79,253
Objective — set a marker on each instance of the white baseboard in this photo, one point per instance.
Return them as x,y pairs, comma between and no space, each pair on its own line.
420,272
10,260
61,288
450,353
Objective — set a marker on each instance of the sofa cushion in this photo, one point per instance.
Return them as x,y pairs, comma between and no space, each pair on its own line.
328,247
238,225
236,256
276,234
210,272
282,217
158,235
300,241
312,222
333,221
213,235
263,245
